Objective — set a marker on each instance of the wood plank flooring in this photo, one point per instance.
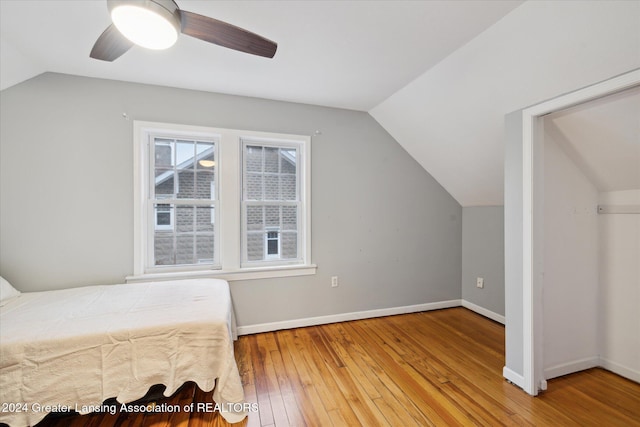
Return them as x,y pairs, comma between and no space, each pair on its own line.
436,368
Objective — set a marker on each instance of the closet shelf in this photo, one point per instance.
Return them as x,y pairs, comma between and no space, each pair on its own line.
619,209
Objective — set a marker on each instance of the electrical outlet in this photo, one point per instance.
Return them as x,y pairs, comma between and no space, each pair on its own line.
479,282
334,281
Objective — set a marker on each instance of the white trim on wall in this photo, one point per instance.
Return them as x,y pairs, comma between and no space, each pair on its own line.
367,314
591,362
619,369
484,312
571,367
512,376
345,317
533,375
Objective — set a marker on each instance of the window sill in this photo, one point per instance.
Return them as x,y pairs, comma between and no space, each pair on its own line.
229,275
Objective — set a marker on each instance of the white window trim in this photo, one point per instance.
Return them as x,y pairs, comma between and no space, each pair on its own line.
301,178
229,208
148,149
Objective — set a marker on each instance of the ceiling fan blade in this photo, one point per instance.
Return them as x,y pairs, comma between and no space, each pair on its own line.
110,45
226,35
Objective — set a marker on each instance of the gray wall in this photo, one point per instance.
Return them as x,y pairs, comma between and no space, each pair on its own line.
379,221
483,256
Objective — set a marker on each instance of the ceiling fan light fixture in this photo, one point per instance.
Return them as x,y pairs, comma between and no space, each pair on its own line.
145,23
156,24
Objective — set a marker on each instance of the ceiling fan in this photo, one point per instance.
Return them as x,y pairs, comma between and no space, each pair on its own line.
155,24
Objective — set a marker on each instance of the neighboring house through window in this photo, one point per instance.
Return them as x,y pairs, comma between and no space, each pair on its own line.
163,217
218,201
271,202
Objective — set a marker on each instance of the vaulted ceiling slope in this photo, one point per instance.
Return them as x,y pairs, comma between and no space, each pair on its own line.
451,118
602,137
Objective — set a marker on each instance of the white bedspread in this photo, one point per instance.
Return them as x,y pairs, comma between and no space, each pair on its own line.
78,347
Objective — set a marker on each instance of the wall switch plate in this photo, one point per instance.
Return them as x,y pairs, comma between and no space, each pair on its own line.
479,282
334,281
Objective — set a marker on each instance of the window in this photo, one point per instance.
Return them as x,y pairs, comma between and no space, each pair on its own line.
182,199
220,202
271,202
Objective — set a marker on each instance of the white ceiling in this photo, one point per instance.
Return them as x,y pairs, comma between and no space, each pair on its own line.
439,76
603,138
348,54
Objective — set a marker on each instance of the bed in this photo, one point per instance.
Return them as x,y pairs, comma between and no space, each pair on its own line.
75,348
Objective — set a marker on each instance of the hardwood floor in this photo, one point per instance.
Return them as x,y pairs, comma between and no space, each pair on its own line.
437,368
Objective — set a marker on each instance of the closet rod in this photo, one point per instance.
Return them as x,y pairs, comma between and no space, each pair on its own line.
619,209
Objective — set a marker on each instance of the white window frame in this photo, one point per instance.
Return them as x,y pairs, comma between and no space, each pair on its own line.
228,210
298,146
150,199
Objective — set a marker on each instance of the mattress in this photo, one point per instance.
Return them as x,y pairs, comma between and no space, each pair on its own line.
75,348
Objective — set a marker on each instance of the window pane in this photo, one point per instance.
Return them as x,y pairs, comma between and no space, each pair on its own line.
184,219
288,161
205,217
271,232
186,183
163,153
163,249
254,187
255,246
185,152
163,167
255,218
271,159
185,249
289,218
253,158
204,249
272,216
205,154
289,244
279,179
288,187
271,187
188,238
164,183
204,185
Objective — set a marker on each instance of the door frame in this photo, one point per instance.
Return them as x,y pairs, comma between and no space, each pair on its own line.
532,236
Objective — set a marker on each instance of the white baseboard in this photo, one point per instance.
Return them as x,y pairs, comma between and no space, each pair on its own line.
621,370
571,367
513,377
592,362
344,317
483,311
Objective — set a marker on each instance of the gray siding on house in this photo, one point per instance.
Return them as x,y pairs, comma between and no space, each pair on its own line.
189,240
380,222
